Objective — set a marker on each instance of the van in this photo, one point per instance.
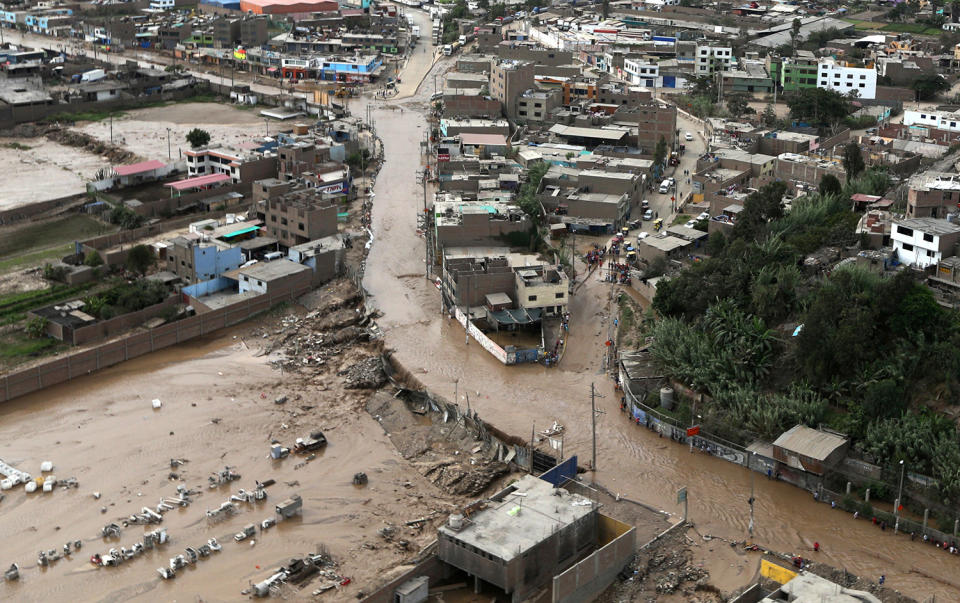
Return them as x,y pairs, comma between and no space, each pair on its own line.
273,255
665,186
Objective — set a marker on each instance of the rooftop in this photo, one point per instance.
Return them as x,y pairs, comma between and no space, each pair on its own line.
935,181
811,588
665,244
932,226
808,442
520,517
596,133
197,181
138,168
483,139
270,271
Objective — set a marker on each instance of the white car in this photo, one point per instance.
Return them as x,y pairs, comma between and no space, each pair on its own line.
648,215
688,136
642,236
704,216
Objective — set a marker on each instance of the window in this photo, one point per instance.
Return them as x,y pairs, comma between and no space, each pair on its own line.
523,113
863,85
559,295
532,298
907,247
863,77
821,83
907,232
300,226
928,237
849,76
283,221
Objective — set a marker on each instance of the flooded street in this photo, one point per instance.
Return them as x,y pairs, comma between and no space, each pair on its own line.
631,460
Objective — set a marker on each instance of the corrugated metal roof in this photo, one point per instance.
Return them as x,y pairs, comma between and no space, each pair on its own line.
810,443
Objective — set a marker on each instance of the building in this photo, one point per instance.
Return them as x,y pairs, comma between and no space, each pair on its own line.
852,81
461,224
536,105
471,277
508,80
940,120
751,77
519,543
933,194
286,7
240,165
194,259
808,587
654,120
794,73
642,73
324,256
277,276
299,217
923,242
711,59
810,450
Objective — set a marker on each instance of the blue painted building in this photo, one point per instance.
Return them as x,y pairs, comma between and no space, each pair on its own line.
358,69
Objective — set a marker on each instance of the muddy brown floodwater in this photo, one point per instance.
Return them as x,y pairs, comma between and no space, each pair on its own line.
217,409
630,460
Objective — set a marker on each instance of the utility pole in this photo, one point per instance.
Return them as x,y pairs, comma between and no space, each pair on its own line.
593,418
896,509
168,145
752,499
111,128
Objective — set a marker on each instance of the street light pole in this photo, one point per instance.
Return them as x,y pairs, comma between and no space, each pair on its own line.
752,499
896,509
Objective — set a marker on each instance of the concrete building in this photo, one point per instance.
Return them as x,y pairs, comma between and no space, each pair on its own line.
508,80
941,120
471,277
195,260
794,73
750,77
806,169
461,224
856,81
324,256
299,217
711,59
653,120
240,165
642,73
536,105
267,277
519,543
923,242
933,194
807,587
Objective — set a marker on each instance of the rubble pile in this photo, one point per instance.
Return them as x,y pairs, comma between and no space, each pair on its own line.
455,479
366,374
117,155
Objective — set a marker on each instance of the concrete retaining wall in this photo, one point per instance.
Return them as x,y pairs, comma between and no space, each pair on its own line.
588,578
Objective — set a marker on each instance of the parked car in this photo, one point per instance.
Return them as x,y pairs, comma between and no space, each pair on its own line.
688,136
704,216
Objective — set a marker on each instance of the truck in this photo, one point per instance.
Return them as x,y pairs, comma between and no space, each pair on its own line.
447,50
90,76
315,441
463,40
416,31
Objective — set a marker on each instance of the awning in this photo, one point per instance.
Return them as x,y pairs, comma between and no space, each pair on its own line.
520,316
198,181
271,69
237,233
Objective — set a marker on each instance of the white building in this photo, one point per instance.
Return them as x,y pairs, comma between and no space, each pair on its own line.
642,73
939,120
924,242
710,59
847,80
160,5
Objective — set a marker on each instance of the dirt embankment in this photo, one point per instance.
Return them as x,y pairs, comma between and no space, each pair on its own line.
447,452
71,138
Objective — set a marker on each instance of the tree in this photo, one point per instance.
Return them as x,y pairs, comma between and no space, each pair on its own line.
929,86
795,33
660,152
198,138
830,185
93,259
140,259
769,116
852,160
738,105
818,106
759,208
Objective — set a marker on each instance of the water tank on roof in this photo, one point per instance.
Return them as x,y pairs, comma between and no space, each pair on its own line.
455,522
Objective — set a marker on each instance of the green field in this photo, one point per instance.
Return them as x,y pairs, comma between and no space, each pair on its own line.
33,244
914,28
